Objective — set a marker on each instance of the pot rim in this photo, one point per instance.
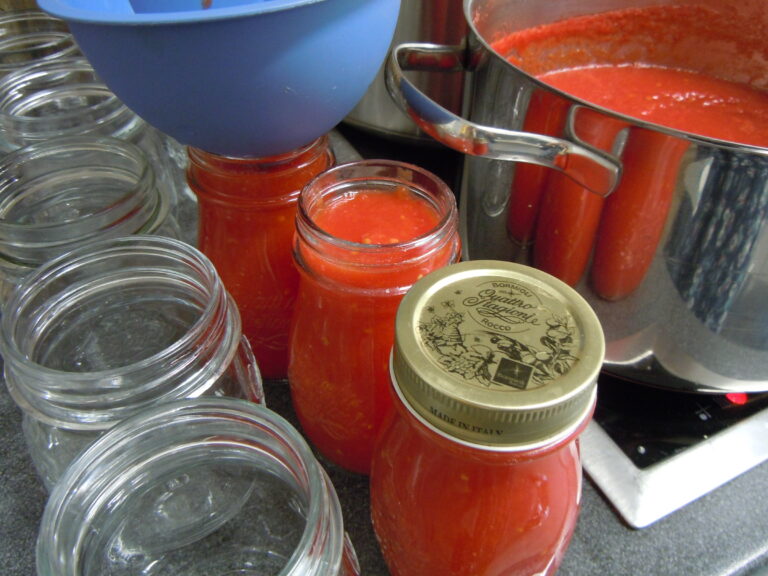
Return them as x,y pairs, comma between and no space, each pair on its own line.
631,120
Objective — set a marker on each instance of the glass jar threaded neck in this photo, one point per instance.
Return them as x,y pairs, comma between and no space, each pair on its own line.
115,326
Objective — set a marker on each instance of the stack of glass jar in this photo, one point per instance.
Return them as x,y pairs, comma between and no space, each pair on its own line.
120,177
143,414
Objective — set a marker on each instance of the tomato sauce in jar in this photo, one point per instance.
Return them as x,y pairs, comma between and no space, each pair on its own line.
366,231
247,209
477,470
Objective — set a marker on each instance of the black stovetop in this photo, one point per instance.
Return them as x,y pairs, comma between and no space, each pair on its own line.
651,425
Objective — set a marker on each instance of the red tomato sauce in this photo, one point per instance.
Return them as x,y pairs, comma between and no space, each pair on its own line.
343,328
716,43
375,218
663,64
456,528
672,66
678,99
246,216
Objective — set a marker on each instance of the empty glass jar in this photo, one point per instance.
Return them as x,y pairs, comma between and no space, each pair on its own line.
196,487
64,97
28,36
62,193
111,329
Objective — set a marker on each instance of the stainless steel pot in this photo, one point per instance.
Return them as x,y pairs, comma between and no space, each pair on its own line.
439,21
695,317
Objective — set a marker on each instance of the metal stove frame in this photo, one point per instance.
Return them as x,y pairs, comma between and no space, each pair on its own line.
644,496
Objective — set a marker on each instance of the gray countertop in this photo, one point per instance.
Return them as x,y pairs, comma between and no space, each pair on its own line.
724,532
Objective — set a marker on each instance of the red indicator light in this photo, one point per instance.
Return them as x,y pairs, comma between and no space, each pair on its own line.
738,398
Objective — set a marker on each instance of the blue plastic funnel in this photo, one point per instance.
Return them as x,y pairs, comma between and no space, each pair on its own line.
157,6
251,78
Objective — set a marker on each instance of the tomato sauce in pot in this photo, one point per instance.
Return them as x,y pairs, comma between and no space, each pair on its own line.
679,99
660,65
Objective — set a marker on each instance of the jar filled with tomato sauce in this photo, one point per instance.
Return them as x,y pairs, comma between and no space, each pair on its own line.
477,471
246,213
365,232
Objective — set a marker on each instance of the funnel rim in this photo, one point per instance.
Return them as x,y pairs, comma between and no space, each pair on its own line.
64,10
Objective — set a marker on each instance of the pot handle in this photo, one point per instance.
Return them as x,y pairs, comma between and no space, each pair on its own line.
589,167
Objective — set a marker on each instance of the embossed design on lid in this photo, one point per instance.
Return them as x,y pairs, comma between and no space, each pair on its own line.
497,354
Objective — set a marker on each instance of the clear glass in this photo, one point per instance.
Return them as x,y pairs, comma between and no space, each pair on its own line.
109,330
247,209
205,487
64,97
344,318
59,194
28,36
443,507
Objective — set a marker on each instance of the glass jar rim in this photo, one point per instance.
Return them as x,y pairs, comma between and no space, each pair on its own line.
108,115
39,389
203,165
204,158
102,468
67,146
443,201
45,32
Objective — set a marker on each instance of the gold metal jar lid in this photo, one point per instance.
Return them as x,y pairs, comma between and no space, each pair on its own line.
497,354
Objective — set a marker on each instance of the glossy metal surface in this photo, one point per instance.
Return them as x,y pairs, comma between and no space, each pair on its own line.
486,140
645,496
438,21
699,319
